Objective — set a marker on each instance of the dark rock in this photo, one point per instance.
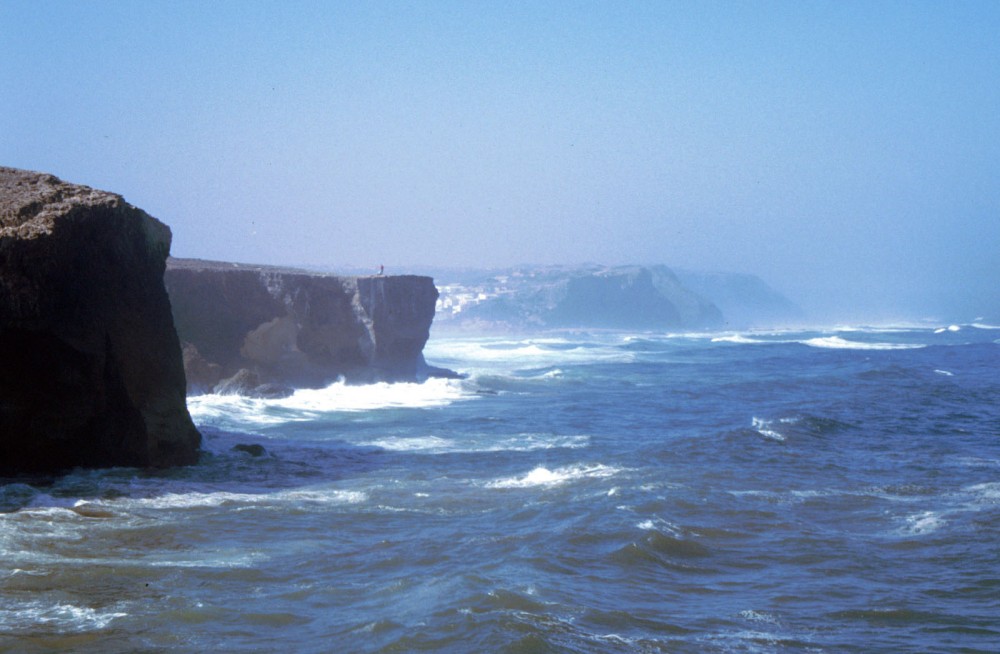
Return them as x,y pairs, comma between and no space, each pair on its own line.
294,328
91,371
253,449
202,375
248,383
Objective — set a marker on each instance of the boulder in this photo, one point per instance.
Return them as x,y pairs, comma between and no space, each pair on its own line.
91,371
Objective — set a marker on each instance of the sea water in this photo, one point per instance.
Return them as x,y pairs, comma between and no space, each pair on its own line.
833,490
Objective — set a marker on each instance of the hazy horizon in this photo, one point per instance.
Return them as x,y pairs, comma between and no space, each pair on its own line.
846,153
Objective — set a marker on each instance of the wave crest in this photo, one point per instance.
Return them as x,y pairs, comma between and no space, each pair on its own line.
543,477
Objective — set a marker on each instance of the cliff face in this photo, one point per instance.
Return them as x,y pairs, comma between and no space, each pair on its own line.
631,297
621,297
276,328
746,300
90,365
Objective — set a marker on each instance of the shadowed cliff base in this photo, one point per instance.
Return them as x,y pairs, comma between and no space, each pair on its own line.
264,330
91,370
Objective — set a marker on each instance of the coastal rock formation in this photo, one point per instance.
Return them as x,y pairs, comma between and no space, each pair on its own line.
90,365
260,330
567,297
745,300
631,297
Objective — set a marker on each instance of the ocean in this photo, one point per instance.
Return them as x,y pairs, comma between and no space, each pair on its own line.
827,490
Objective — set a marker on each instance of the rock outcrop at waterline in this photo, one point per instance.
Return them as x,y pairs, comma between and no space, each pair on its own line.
261,330
90,366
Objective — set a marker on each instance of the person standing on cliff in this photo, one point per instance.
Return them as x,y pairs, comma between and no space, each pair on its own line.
381,270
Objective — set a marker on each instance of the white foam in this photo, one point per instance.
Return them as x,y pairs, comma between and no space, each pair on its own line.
486,443
738,339
894,328
660,525
494,353
310,404
838,343
987,493
343,397
764,428
757,616
543,477
945,373
195,500
63,618
923,523
417,444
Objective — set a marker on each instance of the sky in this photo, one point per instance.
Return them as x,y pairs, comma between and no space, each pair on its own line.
846,152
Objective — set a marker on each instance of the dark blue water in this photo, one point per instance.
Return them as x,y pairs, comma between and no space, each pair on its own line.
828,491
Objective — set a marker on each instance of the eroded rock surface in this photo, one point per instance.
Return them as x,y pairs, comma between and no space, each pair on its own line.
243,325
90,365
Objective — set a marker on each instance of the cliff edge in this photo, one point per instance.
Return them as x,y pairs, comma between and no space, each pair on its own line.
91,371
262,330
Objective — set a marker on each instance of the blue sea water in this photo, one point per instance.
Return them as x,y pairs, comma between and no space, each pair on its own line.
833,490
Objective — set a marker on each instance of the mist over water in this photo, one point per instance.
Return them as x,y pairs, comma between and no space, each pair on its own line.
786,490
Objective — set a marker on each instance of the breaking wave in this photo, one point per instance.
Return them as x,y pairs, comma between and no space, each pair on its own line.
543,477
838,343
309,404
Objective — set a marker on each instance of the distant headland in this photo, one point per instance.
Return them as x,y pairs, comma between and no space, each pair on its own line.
653,297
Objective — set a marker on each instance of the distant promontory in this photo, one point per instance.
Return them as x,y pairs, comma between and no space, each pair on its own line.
606,297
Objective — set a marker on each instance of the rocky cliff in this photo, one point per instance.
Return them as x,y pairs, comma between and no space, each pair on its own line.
620,297
745,300
90,365
261,330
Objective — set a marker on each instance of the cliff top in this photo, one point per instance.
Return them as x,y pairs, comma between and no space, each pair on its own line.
207,264
174,263
30,200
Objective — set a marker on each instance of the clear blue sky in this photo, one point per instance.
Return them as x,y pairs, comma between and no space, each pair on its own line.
845,151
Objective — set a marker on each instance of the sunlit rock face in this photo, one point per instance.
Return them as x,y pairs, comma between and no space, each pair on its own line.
91,372
290,328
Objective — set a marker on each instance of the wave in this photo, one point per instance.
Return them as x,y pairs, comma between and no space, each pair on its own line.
828,342
798,426
198,500
57,617
765,427
491,353
310,404
923,523
838,343
490,443
739,339
543,477
985,494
